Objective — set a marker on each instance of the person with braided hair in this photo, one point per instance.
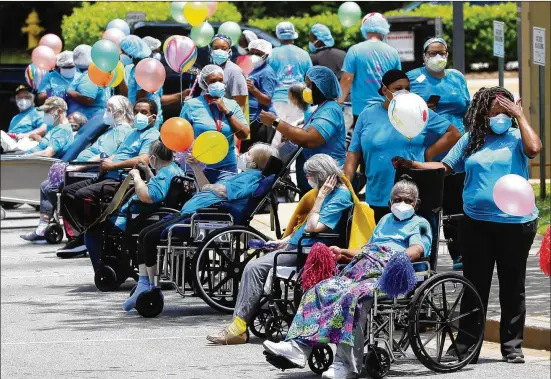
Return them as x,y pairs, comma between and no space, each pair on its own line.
499,141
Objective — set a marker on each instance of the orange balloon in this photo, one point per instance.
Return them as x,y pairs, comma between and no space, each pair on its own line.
177,134
99,77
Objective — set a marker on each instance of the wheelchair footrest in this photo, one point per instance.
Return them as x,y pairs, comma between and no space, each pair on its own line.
279,362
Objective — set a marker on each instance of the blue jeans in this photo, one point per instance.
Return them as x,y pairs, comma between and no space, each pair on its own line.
48,198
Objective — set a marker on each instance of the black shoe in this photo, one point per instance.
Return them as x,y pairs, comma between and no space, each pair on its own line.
513,358
74,248
32,237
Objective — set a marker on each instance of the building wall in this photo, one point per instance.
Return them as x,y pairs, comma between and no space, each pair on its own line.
536,14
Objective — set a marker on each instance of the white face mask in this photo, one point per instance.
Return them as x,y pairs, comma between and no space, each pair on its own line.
244,164
397,93
24,104
312,184
68,72
437,63
257,61
108,118
402,211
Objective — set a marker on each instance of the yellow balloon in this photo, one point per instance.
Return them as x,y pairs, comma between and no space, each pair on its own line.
210,147
119,75
196,12
168,40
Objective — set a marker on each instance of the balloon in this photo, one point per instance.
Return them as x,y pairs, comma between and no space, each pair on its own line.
350,13
52,41
168,40
118,76
409,114
180,54
177,134
150,74
114,35
34,75
202,34
232,30
119,24
212,5
514,195
210,147
105,55
195,12
245,63
99,77
43,58
177,11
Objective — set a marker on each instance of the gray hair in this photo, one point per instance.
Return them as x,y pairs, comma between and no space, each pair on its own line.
159,150
79,118
123,111
295,90
405,185
320,167
261,153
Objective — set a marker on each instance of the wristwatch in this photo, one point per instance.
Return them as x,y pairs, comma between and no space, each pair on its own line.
275,124
229,114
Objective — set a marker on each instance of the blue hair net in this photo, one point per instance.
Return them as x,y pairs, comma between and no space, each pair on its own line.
326,81
323,34
135,47
374,23
222,37
286,31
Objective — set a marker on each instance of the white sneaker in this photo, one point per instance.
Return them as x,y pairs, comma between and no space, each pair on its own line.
288,350
339,370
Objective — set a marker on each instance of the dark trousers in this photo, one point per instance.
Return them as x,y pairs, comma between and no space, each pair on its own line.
507,245
453,205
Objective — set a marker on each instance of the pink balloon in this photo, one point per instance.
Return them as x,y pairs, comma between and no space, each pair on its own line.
44,58
514,195
211,8
52,41
179,51
150,74
245,63
114,35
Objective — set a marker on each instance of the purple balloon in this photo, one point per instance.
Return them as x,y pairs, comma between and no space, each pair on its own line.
514,195
179,53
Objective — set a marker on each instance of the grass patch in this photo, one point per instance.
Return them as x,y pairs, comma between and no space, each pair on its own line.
544,207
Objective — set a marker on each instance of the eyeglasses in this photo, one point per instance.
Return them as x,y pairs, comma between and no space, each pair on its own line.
432,54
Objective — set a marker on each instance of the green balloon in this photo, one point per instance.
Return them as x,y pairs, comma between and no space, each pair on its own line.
202,34
232,30
177,11
349,14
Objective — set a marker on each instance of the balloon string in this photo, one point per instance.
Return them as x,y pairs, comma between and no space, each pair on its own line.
181,89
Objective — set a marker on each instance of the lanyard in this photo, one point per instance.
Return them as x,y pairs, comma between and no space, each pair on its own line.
218,122
314,113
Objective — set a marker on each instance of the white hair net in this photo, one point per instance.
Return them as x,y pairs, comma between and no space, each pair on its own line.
326,81
262,45
82,56
286,31
153,43
123,111
205,72
250,36
65,59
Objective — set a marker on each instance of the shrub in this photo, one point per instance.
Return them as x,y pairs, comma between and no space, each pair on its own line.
87,23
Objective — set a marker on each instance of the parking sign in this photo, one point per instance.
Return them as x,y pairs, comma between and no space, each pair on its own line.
499,39
539,46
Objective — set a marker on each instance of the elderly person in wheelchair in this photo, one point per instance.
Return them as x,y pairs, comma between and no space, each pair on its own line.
335,310
333,199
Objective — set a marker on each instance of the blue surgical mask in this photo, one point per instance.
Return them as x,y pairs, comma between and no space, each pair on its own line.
312,47
141,121
108,118
219,56
500,123
125,59
48,119
217,89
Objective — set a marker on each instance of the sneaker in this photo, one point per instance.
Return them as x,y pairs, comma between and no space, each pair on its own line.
225,337
32,237
339,370
458,264
74,247
513,358
288,350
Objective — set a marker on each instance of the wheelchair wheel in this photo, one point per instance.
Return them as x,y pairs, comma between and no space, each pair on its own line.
105,279
377,362
150,303
54,233
277,328
320,359
218,265
258,326
433,328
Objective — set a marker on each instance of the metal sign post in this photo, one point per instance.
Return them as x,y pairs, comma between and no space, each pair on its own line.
133,17
538,41
499,49
438,27
458,37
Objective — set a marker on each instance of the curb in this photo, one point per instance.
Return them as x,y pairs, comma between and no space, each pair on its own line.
535,336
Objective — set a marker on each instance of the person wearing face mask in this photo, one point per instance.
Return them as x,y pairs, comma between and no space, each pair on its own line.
30,119
434,81
212,111
499,141
322,51
78,199
58,81
376,141
324,131
77,121
244,40
327,304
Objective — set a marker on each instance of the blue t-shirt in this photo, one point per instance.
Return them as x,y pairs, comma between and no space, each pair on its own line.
85,87
265,79
399,235
328,120
499,156
107,143
157,188
201,116
378,141
26,121
54,84
290,64
59,138
238,187
454,97
332,209
368,61
134,87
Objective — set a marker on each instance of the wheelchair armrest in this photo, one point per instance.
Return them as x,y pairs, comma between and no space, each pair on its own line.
208,210
318,235
77,163
282,253
166,209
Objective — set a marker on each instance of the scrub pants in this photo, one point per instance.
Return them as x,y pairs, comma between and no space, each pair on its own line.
453,205
485,244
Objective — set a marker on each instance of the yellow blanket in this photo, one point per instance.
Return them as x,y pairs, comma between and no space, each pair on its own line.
363,217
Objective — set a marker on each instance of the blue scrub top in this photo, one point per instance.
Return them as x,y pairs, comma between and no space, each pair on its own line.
399,235
26,121
134,87
499,156
201,117
332,209
378,141
290,64
54,84
157,188
368,61
85,87
59,138
265,80
240,186
108,143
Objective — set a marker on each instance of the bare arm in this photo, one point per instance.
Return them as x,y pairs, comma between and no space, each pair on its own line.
346,82
108,165
444,143
47,152
415,252
312,224
309,138
140,187
123,88
41,98
200,176
399,162
351,164
344,255
262,98
241,130
41,131
76,96
218,189
175,98
530,140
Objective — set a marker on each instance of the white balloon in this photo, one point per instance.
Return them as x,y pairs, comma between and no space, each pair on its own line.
409,114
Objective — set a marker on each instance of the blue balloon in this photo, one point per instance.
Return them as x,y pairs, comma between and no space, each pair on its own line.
119,24
105,55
